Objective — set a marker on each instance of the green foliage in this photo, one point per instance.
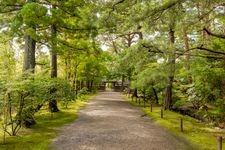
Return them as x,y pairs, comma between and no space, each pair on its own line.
22,98
82,92
195,132
208,81
40,135
31,16
92,69
34,14
142,52
192,63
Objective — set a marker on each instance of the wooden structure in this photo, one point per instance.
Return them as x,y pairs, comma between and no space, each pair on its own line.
115,85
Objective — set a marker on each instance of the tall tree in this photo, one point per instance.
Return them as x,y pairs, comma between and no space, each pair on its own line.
171,63
30,46
53,103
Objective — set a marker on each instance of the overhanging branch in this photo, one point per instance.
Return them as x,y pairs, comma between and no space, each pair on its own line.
203,56
209,50
214,34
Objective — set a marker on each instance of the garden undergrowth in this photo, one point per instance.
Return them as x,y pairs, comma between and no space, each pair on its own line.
201,135
40,135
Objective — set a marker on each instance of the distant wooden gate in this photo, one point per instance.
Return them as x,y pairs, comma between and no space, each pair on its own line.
116,85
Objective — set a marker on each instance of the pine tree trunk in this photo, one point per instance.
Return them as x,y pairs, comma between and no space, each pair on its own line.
169,93
169,88
188,52
54,65
28,67
52,106
135,94
202,10
29,54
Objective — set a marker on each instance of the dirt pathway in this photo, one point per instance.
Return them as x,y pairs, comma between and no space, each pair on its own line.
110,123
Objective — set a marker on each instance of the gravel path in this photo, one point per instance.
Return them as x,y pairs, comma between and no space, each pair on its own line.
110,123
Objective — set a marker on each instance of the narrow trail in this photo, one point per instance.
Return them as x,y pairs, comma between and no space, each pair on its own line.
110,123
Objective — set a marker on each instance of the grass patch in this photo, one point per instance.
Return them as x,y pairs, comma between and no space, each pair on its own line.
200,135
41,134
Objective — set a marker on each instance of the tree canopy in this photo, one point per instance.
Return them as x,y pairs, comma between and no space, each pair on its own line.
51,50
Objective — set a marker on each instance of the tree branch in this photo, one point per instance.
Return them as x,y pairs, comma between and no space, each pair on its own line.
204,49
156,50
203,56
72,30
214,34
9,11
71,46
117,3
209,50
12,5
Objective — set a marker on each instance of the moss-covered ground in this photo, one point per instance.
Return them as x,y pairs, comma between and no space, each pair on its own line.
201,135
40,135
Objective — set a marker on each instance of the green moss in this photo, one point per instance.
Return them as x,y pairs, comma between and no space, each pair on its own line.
41,134
200,135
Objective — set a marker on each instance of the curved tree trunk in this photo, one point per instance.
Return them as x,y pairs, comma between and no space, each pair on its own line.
156,96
